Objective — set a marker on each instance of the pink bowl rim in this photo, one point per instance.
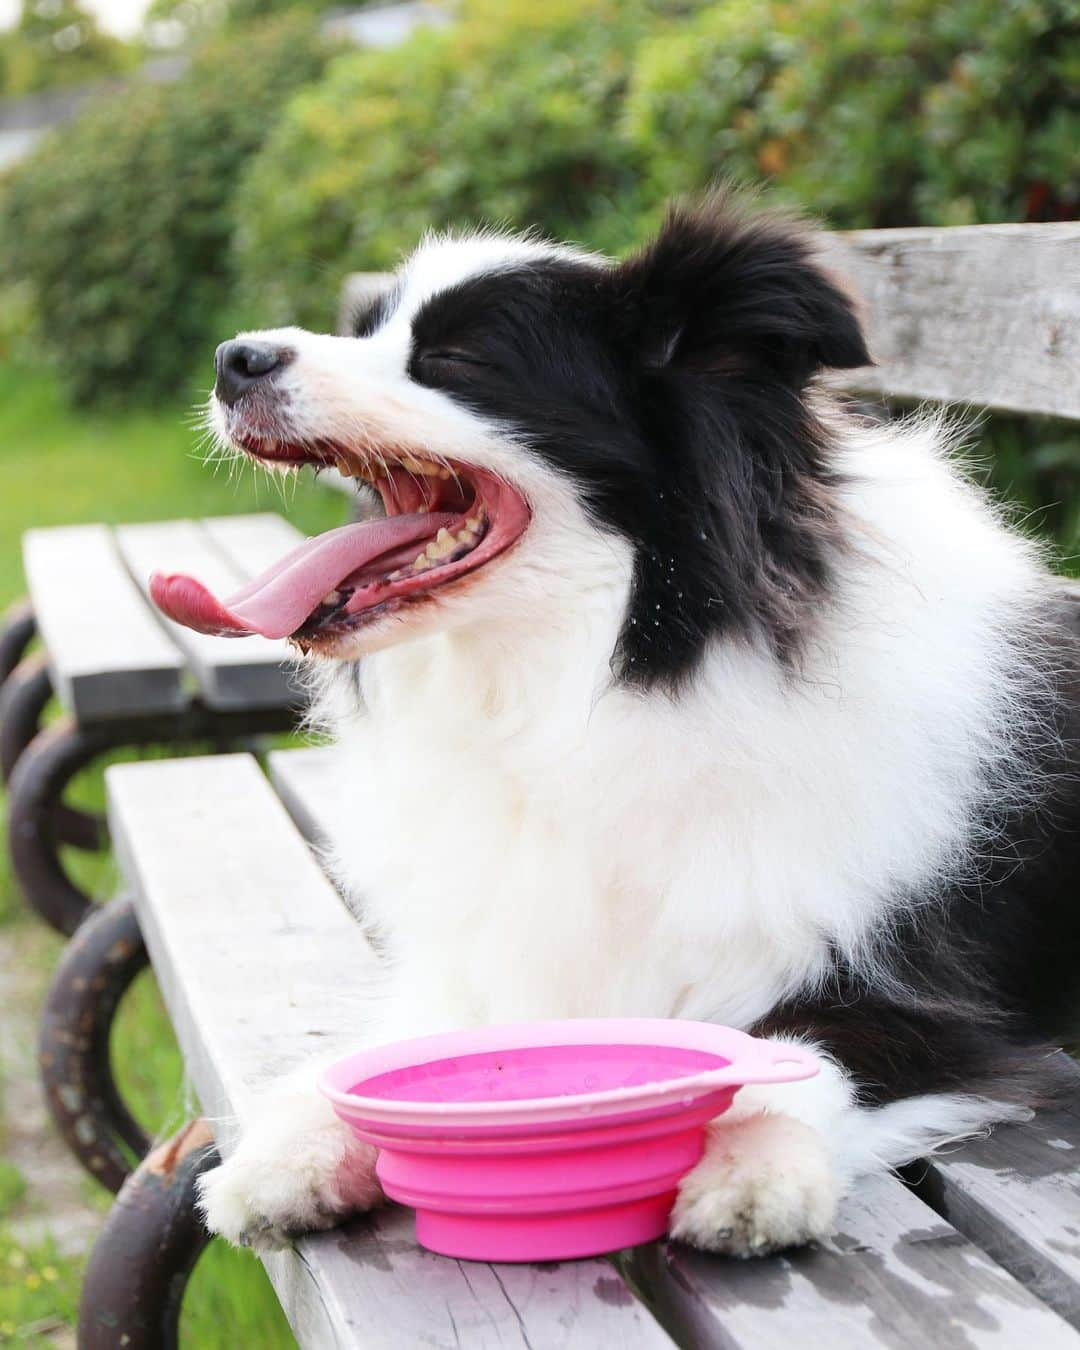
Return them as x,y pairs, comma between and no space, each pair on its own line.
751,1060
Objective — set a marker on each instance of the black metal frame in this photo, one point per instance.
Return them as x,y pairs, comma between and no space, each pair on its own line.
139,1266
24,697
94,973
153,1235
16,634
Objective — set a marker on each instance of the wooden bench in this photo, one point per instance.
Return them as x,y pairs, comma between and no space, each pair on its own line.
980,1251
123,674
977,1248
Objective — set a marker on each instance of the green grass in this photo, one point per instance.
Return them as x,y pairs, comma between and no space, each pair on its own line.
39,1291
56,467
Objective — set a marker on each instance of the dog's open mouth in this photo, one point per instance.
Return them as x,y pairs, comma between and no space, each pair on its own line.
443,521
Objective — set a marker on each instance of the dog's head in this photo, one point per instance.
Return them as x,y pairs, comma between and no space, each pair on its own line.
538,421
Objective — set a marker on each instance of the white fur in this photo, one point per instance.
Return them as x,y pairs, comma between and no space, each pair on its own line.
529,840
298,1169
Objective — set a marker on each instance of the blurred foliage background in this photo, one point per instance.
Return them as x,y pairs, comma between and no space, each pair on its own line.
56,43
246,190
122,224
240,195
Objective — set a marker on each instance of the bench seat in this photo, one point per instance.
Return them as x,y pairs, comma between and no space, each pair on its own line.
262,968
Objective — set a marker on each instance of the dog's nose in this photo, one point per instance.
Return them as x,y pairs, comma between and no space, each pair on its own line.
239,365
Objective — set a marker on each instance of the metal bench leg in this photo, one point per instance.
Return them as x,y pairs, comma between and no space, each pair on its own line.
42,773
140,1264
16,632
95,971
23,700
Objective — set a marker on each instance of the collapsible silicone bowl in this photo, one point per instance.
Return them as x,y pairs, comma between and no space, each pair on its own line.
548,1140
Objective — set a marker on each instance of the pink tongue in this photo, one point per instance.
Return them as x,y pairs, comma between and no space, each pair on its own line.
276,603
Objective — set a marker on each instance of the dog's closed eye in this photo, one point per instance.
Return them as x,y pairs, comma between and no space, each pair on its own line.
450,356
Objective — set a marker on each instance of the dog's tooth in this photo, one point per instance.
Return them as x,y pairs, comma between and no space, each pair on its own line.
473,523
331,597
444,545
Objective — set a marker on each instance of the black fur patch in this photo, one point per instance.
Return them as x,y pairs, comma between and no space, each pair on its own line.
672,389
372,312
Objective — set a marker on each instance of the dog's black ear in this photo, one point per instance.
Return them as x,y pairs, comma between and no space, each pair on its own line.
368,302
725,290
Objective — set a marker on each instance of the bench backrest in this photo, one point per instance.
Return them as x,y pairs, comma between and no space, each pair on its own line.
982,314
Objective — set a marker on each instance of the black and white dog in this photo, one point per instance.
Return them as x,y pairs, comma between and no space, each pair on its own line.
667,686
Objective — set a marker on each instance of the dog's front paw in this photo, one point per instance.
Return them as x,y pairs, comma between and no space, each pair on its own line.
299,1169
765,1183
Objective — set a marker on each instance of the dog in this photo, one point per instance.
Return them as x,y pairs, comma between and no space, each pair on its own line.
666,684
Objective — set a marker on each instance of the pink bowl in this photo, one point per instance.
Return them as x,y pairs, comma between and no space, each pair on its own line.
548,1140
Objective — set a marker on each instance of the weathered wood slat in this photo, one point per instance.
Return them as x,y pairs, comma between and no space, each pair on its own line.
1017,1194
252,543
107,654
305,782
400,1296
261,969
232,672
895,1275
983,314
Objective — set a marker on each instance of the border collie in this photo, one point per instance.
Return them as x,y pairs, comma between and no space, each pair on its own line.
666,685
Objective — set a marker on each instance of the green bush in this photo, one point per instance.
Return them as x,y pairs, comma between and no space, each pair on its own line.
583,119
121,223
57,42
513,114
885,112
